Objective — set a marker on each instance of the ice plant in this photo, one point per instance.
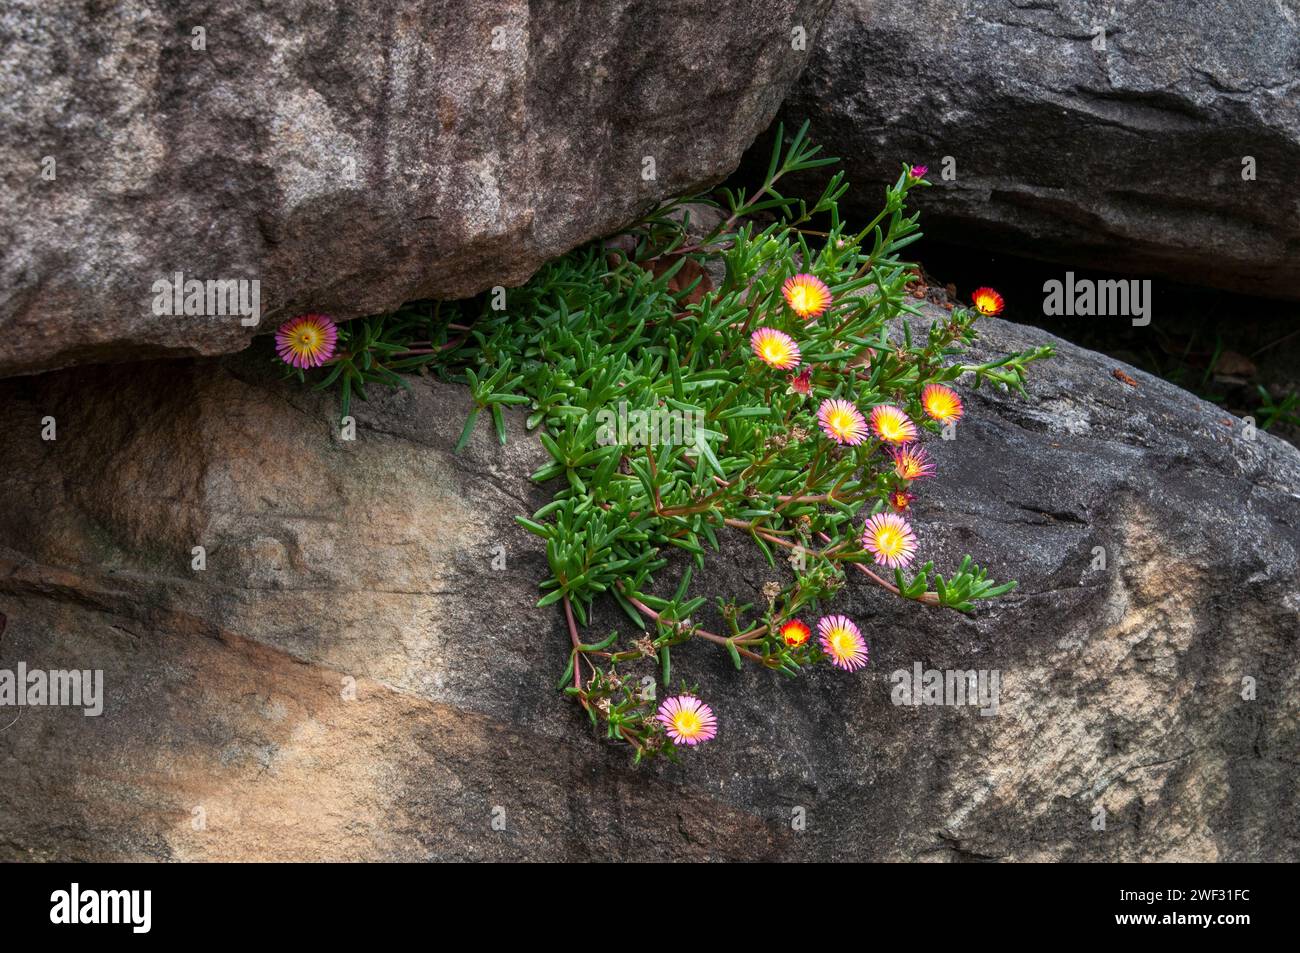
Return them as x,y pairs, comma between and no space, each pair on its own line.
807,295
775,348
941,403
687,720
842,641
901,500
794,633
801,383
306,341
890,540
912,462
842,422
717,445
918,172
987,301
891,424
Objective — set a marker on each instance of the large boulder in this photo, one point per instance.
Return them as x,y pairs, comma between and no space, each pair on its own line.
1127,158
357,673
349,156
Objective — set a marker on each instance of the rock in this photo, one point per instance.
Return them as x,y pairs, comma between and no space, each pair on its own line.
350,676
347,156
1128,158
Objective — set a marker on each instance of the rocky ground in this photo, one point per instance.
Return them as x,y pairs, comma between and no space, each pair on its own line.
352,678
1096,134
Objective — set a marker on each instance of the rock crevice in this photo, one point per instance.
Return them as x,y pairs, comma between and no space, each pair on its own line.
368,567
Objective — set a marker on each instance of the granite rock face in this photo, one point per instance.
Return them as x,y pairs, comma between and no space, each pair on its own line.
348,156
359,672
1127,158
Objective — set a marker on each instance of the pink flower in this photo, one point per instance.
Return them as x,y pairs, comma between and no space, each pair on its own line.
775,348
890,540
912,462
843,642
307,340
842,422
687,720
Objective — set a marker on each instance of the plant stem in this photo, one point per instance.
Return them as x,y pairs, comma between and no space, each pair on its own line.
573,637
926,598
702,633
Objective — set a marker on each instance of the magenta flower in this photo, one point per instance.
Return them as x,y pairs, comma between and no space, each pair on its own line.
307,340
890,540
843,642
801,383
687,720
842,422
912,462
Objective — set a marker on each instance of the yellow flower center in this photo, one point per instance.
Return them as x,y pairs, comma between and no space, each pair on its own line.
891,428
889,540
941,406
842,422
687,723
775,351
306,339
842,642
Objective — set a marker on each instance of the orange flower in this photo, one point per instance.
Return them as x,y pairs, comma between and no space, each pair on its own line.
941,403
987,301
806,295
892,425
795,633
